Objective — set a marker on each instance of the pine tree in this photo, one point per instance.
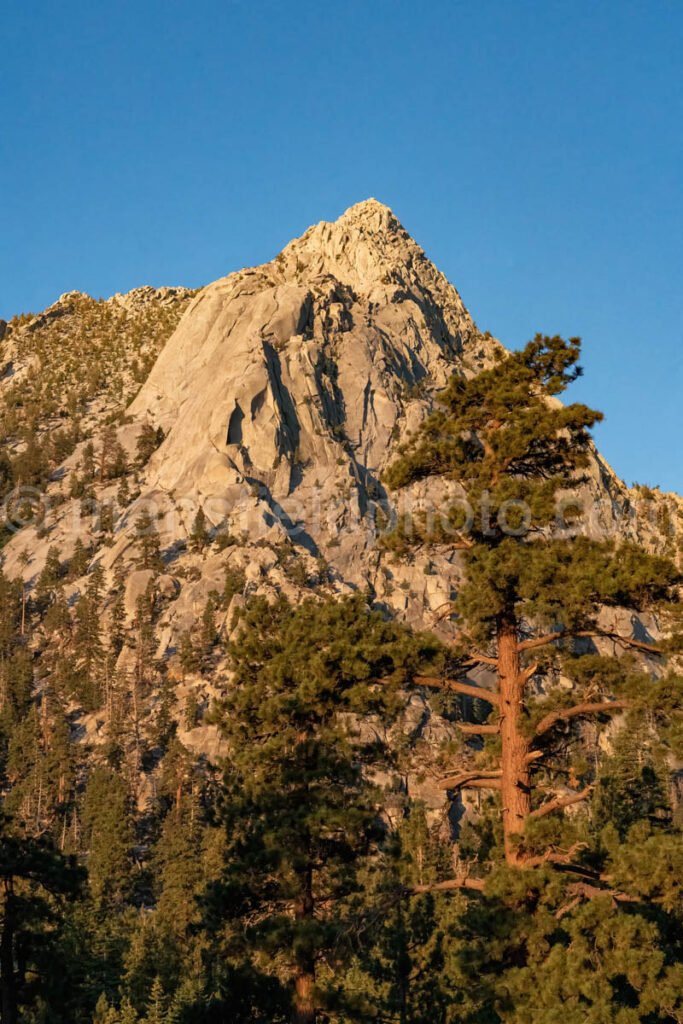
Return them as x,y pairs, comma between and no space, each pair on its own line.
113,461
156,1007
405,962
123,493
57,620
165,725
147,538
59,756
235,582
176,1010
108,838
50,578
178,870
104,1013
148,441
77,485
127,1014
24,560
117,616
95,585
89,505
10,616
199,535
529,589
533,591
31,467
88,465
6,473
207,634
89,649
189,659
106,511
633,782
78,563
36,880
144,639
106,449
118,463
190,712
17,686
299,811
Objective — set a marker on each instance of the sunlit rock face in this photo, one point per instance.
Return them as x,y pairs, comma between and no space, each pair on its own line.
294,379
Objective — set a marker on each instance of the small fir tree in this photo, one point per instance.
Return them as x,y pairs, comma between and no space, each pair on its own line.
148,542
147,443
199,535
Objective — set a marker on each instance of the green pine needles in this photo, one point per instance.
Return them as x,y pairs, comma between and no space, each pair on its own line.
300,810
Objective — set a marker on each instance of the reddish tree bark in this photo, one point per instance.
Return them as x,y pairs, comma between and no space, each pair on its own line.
304,975
514,781
512,777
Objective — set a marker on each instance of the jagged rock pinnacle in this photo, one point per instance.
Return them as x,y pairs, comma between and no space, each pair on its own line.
307,361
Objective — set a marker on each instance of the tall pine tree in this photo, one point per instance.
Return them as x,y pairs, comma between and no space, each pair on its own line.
530,590
299,811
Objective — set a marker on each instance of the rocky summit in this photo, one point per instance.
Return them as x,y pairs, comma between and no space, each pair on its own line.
285,387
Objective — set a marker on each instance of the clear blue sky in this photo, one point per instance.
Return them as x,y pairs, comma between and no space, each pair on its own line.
532,147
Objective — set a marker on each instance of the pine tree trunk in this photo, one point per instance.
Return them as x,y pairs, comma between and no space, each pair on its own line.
304,977
403,971
515,792
304,1007
8,994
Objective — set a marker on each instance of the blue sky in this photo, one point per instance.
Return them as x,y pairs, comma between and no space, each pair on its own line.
534,149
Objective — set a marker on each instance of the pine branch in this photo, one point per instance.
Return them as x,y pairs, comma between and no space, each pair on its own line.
568,634
559,802
563,714
559,914
473,780
555,857
478,730
482,659
457,687
462,882
439,612
542,641
584,890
